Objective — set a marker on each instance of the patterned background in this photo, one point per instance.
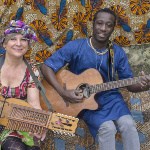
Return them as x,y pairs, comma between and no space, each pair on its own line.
58,21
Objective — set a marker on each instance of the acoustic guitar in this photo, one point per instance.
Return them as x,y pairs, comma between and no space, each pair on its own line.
90,82
19,115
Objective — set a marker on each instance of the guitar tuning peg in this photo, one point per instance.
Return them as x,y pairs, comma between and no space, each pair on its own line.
69,134
61,132
57,132
65,133
54,131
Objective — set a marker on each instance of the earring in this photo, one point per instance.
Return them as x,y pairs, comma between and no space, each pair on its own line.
5,48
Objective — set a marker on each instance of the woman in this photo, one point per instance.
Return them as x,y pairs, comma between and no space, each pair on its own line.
15,76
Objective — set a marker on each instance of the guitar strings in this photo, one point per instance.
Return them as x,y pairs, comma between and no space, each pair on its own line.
21,114
24,118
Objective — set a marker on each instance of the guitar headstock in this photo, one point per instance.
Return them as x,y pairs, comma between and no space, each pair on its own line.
63,124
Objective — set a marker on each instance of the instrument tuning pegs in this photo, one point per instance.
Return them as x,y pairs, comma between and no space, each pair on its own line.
72,134
61,132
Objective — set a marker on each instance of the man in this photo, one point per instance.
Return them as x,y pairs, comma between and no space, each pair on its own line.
83,54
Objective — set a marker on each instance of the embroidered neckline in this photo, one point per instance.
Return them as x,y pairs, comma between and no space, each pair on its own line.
98,53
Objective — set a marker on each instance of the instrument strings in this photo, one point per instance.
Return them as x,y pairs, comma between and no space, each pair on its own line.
26,119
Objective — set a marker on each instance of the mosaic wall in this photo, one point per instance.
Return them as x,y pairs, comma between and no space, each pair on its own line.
138,104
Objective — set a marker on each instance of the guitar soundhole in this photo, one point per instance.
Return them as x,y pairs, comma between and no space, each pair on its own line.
85,90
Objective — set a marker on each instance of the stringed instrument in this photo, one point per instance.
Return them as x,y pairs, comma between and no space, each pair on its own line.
90,82
19,115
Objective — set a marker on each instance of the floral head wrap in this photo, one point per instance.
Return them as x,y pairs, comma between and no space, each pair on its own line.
25,30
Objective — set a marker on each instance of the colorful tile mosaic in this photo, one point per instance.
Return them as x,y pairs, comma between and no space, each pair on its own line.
139,106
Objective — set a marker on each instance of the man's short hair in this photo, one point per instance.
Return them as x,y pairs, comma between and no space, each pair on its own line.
105,10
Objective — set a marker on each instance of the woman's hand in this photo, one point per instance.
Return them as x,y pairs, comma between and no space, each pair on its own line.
39,136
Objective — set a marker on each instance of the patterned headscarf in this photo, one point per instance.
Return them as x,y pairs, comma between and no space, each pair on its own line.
19,27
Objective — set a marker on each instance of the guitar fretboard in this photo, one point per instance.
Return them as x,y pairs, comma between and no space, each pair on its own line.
113,84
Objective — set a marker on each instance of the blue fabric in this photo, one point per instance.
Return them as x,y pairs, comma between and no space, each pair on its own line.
96,139
80,147
142,137
80,132
135,100
119,145
80,56
59,144
137,115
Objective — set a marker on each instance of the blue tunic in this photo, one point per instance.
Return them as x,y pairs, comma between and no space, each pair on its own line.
80,56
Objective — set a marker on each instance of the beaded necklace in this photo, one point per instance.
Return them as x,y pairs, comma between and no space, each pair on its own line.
110,57
98,53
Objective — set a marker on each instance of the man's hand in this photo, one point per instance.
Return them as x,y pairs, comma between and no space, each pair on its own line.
73,96
145,83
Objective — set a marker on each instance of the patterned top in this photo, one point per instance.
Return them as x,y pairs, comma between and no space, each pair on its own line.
20,92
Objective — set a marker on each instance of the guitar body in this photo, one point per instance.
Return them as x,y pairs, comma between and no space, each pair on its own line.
72,81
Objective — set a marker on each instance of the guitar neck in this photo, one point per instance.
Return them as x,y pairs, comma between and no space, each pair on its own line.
113,84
